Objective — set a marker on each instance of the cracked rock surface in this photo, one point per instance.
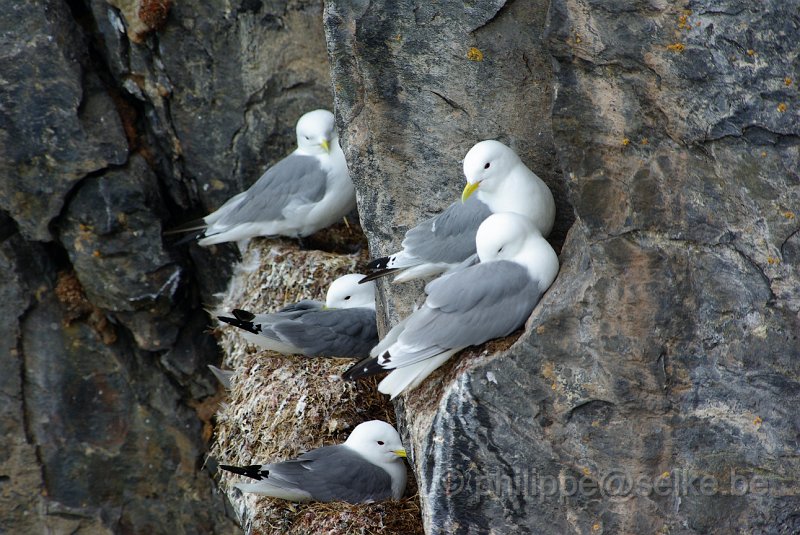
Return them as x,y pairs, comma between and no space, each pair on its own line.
665,356
119,120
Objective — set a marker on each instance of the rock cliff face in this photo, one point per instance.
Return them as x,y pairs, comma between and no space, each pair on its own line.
120,119
653,388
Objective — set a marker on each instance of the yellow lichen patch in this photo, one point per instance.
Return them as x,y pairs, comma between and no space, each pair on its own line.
596,526
625,142
757,421
683,21
782,107
664,475
676,47
788,214
473,54
645,141
751,52
787,81
585,471
96,253
763,154
578,39
773,261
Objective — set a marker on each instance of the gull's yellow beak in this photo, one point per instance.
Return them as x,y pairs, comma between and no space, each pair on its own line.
469,189
400,453
325,145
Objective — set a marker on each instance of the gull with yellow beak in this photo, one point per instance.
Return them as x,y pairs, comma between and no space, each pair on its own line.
500,182
367,468
468,307
343,326
307,191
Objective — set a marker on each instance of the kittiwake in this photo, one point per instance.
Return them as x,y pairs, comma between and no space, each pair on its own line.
343,326
447,241
307,191
368,467
468,307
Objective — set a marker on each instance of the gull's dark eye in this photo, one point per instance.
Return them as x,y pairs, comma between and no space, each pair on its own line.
380,443
346,298
487,165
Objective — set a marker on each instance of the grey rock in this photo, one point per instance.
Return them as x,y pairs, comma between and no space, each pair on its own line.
57,123
664,357
104,142
112,233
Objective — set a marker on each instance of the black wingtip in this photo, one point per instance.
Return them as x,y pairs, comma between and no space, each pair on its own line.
379,263
243,315
253,471
191,237
378,274
248,326
363,368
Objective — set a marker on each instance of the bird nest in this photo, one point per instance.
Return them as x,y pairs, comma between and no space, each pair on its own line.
279,406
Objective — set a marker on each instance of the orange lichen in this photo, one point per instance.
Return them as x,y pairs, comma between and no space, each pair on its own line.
596,526
788,214
70,294
473,54
625,142
645,141
757,421
96,253
154,13
787,81
751,52
773,261
683,22
782,107
676,47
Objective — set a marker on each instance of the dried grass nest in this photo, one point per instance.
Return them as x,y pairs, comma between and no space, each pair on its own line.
279,407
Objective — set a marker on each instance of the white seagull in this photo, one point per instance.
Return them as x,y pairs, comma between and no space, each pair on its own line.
467,307
307,191
446,242
368,467
343,326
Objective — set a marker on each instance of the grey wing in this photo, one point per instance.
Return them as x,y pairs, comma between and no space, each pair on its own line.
467,308
289,312
333,473
296,178
450,236
344,332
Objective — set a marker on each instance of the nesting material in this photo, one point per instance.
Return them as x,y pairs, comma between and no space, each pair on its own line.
280,407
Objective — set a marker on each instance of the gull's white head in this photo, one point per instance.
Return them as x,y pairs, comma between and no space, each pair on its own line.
503,236
316,132
376,441
485,166
346,292
510,236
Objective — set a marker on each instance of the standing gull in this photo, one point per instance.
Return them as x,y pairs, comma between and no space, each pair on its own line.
307,191
468,307
368,467
447,240
343,326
